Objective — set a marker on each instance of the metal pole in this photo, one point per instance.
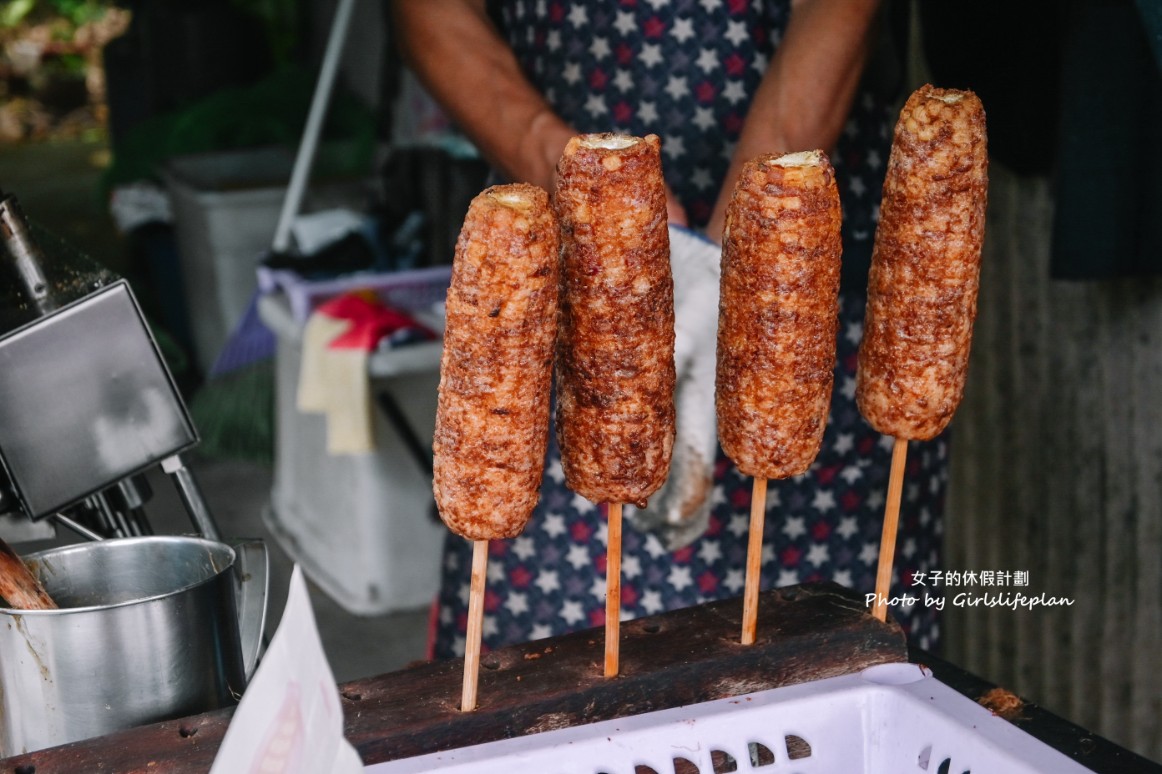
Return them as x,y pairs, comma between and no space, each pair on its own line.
314,126
191,495
77,527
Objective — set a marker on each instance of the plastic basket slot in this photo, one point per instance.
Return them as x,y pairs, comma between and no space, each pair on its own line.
797,747
945,766
924,761
760,755
723,762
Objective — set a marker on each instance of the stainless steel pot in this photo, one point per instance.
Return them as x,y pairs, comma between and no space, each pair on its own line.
148,629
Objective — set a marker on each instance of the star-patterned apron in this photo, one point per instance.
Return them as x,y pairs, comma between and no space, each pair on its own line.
685,70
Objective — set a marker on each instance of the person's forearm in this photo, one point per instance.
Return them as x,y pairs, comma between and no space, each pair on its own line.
806,93
460,58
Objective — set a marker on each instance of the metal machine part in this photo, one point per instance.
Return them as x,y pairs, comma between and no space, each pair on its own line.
26,255
87,403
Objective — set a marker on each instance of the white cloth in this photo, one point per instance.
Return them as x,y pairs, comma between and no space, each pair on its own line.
334,382
679,512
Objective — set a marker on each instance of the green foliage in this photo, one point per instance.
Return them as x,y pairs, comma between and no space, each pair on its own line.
75,12
15,11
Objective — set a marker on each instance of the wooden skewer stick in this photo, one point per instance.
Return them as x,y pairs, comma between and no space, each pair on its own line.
613,590
475,624
891,521
754,560
19,588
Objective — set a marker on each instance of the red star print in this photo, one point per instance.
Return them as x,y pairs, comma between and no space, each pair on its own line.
491,601
740,498
598,79
827,475
557,13
654,28
714,527
596,617
683,555
520,577
629,595
732,124
707,582
734,64
866,445
736,7
623,53
821,531
849,501
790,556
622,113
705,92
580,532
497,548
599,563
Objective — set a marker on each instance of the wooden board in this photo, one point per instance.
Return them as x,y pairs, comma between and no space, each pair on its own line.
805,633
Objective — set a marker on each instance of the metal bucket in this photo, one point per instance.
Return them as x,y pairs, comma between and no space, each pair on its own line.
148,629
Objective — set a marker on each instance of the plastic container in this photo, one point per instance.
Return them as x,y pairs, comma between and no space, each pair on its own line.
414,290
363,527
890,719
226,207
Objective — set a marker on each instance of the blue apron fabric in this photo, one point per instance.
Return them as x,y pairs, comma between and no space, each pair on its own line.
686,70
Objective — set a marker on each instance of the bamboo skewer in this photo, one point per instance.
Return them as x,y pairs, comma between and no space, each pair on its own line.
475,624
891,521
754,560
19,588
613,591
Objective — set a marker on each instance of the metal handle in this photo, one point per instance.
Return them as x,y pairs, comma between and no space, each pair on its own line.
252,585
26,255
191,496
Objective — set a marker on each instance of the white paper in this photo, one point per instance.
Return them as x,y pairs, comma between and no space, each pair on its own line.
290,720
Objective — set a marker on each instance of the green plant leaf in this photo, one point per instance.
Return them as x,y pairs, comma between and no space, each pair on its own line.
15,11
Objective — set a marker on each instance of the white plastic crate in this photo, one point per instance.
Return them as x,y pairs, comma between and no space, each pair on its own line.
360,524
890,719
